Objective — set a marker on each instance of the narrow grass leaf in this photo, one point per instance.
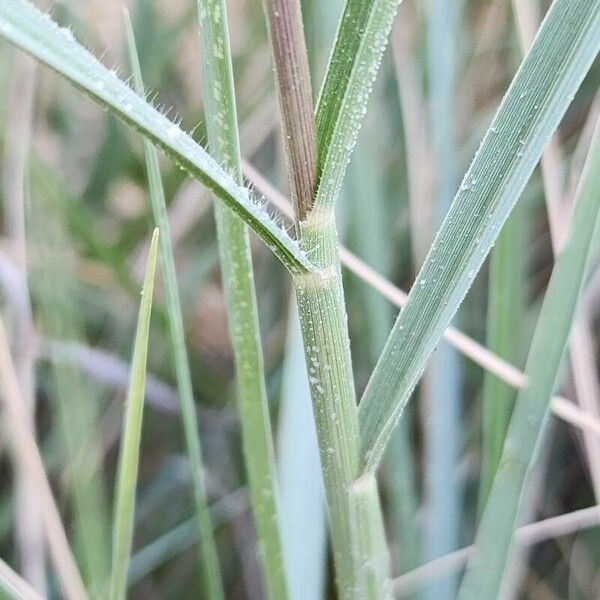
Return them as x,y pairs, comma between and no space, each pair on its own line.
498,523
34,31
130,441
530,111
361,40
208,551
240,299
504,318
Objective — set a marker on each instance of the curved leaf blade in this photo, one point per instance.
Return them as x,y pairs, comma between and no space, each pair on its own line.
33,31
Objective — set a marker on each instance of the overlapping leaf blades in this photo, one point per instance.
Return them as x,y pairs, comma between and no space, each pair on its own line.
494,535
541,91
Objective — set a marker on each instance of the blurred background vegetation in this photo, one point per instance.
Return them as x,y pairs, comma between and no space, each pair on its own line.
87,228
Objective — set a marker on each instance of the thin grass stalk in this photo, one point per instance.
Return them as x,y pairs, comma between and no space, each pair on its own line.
29,535
129,454
208,551
494,535
324,326
581,353
442,386
240,297
530,111
28,455
294,94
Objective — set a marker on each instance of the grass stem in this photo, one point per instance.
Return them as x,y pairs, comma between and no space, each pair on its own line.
240,298
323,321
294,91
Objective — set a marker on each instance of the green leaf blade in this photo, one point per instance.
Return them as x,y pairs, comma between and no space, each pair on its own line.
34,32
132,429
240,300
209,559
360,43
506,304
530,111
498,523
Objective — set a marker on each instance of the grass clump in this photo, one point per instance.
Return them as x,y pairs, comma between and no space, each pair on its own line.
208,329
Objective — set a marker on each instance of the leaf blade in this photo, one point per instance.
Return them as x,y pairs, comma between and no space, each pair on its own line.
360,42
208,555
498,523
34,32
240,300
132,429
530,111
